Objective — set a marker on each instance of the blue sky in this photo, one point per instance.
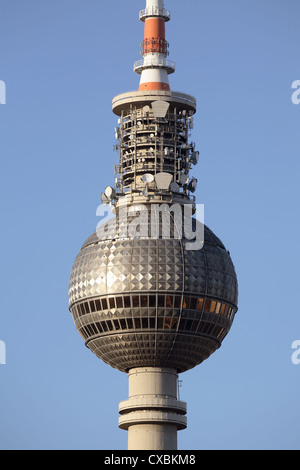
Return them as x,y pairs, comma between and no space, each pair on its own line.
62,62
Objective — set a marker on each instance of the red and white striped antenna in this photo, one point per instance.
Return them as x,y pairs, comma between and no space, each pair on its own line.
154,68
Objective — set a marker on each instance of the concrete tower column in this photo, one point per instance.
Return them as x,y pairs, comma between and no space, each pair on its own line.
152,414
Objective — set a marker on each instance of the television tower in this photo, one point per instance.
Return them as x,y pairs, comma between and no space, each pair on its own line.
148,295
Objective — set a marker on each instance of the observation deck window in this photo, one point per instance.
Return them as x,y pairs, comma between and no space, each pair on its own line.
186,302
127,302
171,323
152,301
169,301
177,301
166,319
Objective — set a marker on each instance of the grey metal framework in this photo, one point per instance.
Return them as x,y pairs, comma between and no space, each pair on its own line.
149,144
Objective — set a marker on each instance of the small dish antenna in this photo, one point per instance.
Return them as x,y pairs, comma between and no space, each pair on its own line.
193,185
174,187
184,179
194,158
147,178
104,199
110,193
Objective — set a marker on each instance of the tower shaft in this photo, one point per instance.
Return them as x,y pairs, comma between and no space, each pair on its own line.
152,414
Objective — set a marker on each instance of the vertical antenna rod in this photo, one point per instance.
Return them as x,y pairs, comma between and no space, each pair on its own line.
154,68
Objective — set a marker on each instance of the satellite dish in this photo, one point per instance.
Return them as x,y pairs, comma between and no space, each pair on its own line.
174,187
193,185
104,199
145,193
184,179
194,158
109,193
147,178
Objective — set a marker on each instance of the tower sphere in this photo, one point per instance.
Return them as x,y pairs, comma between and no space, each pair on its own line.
152,302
